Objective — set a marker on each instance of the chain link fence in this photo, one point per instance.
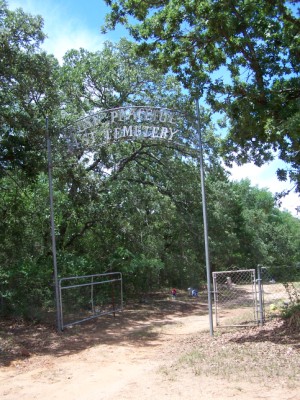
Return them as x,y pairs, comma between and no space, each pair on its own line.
235,298
250,297
281,289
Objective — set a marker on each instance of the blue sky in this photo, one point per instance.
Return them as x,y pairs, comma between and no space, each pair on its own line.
71,24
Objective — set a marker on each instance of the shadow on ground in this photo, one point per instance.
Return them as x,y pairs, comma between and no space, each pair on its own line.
277,331
138,324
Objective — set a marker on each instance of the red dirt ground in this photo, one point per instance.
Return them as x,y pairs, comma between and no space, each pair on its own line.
149,351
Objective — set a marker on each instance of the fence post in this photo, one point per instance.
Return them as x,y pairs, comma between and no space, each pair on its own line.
260,295
92,295
215,288
55,273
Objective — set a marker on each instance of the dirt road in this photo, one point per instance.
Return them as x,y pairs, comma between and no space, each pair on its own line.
139,354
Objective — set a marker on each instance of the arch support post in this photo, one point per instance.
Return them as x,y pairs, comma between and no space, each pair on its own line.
53,240
205,223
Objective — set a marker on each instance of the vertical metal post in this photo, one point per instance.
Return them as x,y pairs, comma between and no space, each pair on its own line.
254,293
260,296
215,286
121,279
92,295
208,273
60,328
55,275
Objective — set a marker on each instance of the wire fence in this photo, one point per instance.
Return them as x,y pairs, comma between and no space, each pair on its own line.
235,298
250,297
281,289
87,297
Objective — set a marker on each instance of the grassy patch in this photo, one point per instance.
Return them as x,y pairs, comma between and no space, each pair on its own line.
251,355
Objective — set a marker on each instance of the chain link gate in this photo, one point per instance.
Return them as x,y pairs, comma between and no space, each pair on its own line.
238,298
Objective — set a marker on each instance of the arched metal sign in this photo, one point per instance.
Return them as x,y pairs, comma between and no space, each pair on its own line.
132,123
124,123
138,123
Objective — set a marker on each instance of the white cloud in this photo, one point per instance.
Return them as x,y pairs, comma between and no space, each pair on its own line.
64,32
265,178
71,37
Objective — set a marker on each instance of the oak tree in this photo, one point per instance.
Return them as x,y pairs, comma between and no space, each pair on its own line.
241,56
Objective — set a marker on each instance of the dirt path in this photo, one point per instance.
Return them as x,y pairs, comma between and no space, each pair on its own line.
137,355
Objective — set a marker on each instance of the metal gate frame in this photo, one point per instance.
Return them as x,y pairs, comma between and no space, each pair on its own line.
228,287
114,277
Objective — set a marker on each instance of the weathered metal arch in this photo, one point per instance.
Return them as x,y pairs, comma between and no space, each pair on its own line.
131,123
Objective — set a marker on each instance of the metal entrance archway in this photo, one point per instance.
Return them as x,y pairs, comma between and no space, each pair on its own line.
131,123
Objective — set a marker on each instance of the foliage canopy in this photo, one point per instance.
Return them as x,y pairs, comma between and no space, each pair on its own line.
134,207
241,56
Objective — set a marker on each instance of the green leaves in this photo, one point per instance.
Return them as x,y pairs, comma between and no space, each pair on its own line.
235,54
135,206
28,90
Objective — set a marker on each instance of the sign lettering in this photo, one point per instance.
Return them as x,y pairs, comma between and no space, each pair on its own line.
124,123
